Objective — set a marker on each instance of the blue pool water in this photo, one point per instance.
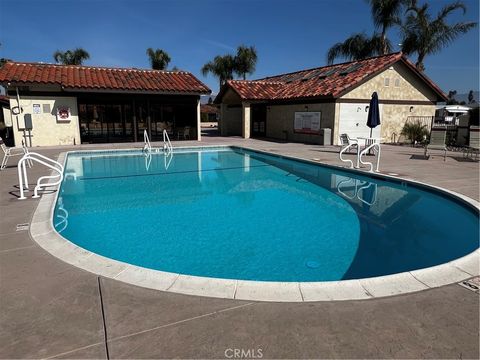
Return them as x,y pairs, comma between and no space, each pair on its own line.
237,214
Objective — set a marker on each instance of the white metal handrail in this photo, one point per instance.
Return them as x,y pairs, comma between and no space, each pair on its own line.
62,214
364,151
147,147
167,159
348,160
41,159
359,187
365,187
348,180
148,160
167,145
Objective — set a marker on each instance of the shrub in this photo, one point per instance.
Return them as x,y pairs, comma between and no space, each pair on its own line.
415,131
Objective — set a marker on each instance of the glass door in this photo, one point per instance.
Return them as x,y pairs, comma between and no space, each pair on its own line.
258,125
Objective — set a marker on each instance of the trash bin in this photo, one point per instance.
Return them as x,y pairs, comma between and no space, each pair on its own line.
326,136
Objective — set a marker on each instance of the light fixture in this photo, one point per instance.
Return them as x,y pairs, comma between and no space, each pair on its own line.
366,108
411,108
306,107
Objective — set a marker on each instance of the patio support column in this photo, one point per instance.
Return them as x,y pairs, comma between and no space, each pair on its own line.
246,120
199,124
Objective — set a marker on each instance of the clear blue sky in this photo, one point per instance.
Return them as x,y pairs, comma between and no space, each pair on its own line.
289,34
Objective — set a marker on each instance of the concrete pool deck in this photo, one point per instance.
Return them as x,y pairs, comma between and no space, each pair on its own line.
52,309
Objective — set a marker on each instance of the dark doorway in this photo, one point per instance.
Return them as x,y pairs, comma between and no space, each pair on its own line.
258,124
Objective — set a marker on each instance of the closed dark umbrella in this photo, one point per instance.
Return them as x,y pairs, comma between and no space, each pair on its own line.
373,113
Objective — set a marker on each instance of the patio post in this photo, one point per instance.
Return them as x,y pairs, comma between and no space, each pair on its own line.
246,120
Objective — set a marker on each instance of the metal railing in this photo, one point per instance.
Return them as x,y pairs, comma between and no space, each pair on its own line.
348,160
41,159
147,147
167,145
374,146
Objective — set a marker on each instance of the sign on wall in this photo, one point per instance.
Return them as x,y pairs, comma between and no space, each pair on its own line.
307,122
36,109
63,113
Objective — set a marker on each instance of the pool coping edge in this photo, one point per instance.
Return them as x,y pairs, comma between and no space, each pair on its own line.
45,235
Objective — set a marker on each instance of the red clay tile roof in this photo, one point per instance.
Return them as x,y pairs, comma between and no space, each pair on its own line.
327,81
101,78
208,109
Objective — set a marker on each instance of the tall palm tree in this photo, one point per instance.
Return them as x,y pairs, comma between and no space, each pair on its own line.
357,47
71,57
245,60
385,15
425,35
159,59
222,67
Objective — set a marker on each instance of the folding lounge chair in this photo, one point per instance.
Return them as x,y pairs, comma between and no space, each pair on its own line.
474,142
438,138
9,152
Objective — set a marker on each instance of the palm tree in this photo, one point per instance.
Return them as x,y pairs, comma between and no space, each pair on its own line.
385,15
159,59
222,67
245,60
426,36
358,47
71,57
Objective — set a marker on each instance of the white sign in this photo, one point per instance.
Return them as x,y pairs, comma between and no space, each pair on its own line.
307,122
63,113
36,109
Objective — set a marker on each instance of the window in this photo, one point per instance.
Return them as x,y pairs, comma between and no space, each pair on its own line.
387,82
397,82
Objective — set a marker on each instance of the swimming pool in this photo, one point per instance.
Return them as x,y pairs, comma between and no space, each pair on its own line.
232,213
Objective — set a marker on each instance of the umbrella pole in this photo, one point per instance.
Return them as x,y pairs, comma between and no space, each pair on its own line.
370,150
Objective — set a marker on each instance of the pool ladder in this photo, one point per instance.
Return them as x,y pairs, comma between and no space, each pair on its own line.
28,159
360,154
167,145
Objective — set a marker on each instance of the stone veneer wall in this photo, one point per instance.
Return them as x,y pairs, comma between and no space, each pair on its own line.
47,131
280,118
410,88
395,116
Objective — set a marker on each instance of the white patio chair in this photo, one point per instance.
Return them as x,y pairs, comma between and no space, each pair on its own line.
345,140
185,133
8,152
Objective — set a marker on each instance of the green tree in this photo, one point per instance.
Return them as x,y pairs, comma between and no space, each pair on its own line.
471,97
71,57
385,15
245,60
159,59
221,67
357,47
451,97
425,35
